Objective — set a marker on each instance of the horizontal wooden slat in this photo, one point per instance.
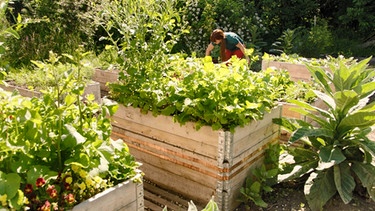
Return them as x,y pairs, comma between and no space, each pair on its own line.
167,124
196,164
200,147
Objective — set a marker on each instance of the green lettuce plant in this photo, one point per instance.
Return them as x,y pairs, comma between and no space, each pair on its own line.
197,90
336,154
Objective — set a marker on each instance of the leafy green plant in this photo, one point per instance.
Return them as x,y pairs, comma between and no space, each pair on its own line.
6,31
337,156
60,26
262,178
56,151
53,72
195,89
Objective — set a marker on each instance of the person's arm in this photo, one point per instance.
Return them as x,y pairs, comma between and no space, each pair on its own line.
242,48
210,47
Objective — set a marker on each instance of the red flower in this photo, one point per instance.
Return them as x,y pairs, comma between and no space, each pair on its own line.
40,182
70,198
46,206
28,188
52,191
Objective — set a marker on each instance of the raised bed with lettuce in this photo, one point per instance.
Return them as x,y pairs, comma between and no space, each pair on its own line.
198,127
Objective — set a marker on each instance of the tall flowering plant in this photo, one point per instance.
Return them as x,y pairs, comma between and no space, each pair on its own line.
56,151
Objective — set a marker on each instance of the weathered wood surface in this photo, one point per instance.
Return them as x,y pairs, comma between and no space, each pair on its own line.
198,164
125,196
91,88
104,77
297,72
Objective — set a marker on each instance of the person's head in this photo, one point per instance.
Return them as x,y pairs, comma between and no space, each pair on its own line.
217,36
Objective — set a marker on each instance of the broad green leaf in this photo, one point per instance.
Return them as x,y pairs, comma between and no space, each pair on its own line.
320,76
359,119
168,110
80,139
345,100
367,145
9,184
319,189
327,99
306,132
344,181
328,154
365,173
305,161
70,99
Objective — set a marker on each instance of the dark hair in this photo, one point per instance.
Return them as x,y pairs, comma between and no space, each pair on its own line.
218,34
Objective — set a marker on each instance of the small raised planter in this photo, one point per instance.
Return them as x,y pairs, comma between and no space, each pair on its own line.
125,196
91,88
104,77
297,72
196,164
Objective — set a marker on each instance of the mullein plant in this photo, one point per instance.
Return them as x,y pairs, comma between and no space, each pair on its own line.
336,154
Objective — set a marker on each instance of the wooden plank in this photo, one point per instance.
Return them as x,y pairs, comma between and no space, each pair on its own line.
241,132
163,150
151,206
104,77
115,198
200,147
247,144
191,190
164,202
167,124
205,177
168,195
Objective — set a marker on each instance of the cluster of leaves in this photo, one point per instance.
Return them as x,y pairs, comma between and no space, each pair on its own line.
53,73
223,96
6,31
263,177
336,156
140,31
56,150
60,26
321,62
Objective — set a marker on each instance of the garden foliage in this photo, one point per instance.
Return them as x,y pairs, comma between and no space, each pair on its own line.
56,151
337,156
223,96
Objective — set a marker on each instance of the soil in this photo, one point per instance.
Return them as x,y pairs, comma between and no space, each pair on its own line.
290,197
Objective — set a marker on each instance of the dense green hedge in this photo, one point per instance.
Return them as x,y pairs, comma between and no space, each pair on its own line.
319,27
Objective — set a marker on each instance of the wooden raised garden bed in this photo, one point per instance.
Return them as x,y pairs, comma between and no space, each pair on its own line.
92,88
296,71
125,196
104,77
196,164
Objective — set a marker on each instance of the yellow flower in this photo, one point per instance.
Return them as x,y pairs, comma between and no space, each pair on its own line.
83,173
3,200
89,181
82,186
75,168
69,180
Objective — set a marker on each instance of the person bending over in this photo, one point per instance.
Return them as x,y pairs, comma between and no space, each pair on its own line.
230,44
